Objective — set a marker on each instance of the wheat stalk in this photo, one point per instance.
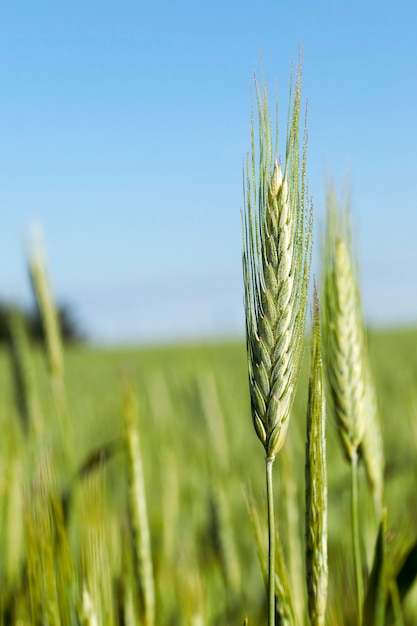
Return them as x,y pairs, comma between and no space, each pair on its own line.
283,592
276,264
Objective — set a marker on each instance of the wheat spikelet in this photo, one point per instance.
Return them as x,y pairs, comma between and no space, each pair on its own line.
276,264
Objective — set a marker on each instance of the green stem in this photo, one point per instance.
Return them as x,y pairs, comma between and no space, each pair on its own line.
271,541
355,534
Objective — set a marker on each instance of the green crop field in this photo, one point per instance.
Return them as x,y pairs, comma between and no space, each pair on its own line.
271,480
200,463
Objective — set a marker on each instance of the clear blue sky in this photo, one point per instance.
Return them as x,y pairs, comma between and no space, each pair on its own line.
123,126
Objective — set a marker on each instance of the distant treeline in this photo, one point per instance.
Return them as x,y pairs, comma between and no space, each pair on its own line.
71,330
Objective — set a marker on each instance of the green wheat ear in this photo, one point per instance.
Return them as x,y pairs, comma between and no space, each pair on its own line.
276,266
349,373
316,484
343,334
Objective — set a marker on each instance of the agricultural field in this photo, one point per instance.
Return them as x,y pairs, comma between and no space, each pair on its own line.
267,481
201,464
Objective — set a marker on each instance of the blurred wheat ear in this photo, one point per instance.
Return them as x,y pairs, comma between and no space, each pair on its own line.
342,331
138,515
53,344
276,266
46,305
347,367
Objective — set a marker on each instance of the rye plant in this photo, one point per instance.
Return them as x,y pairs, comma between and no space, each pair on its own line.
348,371
342,329
276,268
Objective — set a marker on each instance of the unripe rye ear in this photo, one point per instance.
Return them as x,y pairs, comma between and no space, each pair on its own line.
277,227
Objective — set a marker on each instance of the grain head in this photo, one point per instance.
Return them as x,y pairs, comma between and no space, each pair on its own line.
349,372
343,332
276,264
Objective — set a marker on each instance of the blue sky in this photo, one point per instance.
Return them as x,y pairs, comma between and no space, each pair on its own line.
123,126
